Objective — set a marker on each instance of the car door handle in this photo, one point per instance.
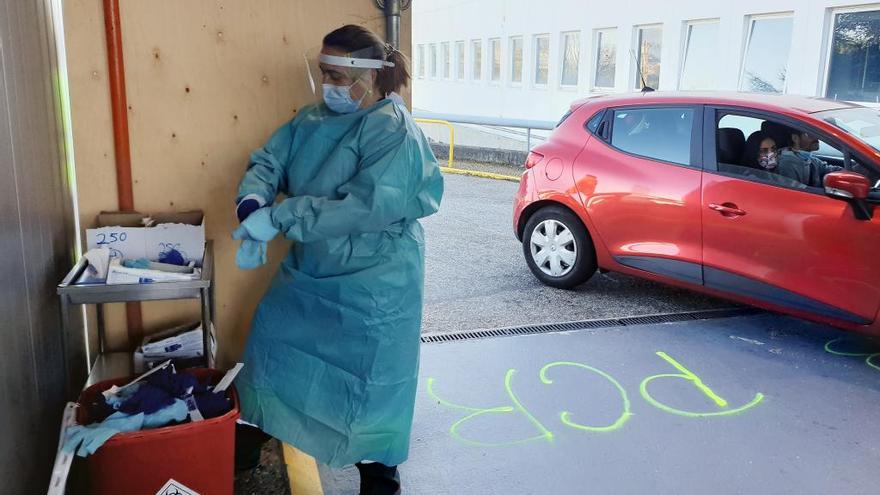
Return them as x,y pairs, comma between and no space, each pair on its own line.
727,209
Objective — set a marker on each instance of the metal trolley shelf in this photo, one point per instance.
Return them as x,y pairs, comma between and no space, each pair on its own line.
114,364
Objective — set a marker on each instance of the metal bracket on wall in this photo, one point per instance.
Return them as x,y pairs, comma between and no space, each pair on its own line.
392,9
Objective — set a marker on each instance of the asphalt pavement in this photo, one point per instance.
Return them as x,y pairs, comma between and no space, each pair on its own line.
740,405
476,276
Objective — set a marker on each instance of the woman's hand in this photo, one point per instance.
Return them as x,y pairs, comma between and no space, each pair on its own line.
258,226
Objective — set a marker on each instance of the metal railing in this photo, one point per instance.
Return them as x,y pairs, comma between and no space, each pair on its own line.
451,136
447,120
528,125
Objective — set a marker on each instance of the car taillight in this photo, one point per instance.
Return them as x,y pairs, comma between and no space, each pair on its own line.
533,159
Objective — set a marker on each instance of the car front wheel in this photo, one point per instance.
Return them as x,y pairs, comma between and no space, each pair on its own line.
558,248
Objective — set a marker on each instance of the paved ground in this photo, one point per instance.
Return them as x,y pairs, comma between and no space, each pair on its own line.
476,276
797,419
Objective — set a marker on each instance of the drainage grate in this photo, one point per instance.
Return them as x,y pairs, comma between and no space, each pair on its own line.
589,324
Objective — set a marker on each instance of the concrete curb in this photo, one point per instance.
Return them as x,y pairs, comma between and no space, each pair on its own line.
481,155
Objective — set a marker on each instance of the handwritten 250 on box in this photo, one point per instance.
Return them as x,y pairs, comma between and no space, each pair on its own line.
127,238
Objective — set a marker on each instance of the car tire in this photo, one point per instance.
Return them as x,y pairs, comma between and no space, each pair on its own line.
558,248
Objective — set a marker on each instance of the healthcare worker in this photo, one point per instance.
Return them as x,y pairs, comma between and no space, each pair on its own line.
332,359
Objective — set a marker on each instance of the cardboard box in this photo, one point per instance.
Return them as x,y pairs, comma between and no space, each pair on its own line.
127,237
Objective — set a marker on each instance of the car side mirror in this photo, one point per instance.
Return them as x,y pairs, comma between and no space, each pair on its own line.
852,188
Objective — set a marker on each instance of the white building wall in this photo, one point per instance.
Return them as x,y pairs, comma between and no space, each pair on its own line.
438,21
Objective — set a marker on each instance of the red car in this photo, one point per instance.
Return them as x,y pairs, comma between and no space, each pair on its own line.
672,187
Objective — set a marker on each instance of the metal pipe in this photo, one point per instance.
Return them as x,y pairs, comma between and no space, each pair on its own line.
118,105
121,147
392,10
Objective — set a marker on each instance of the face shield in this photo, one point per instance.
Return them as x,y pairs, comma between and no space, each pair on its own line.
342,80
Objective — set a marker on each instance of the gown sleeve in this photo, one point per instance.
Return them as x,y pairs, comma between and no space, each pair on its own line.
397,179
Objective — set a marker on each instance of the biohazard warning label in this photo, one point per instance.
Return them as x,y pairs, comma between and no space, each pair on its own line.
176,488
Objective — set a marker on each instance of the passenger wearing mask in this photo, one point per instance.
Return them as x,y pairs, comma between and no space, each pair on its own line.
761,161
760,152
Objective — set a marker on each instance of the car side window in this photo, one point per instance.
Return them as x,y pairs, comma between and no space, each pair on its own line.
765,150
662,134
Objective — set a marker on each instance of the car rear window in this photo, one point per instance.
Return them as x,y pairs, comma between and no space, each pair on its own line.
595,121
657,133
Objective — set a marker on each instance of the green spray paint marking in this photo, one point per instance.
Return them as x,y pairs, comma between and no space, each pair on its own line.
686,374
867,355
546,435
565,416
830,350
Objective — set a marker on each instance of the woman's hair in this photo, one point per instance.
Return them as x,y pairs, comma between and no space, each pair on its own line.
352,38
753,148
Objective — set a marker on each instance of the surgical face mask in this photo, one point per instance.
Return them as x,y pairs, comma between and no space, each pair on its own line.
338,98
768,159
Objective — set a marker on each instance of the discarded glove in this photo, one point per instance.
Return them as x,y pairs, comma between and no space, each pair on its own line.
175,413
90,437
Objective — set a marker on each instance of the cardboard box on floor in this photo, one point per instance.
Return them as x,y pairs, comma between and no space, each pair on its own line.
126,236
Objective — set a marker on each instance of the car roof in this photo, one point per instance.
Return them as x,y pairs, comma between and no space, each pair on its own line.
763,101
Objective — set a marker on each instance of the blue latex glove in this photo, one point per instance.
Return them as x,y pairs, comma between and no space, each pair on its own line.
246,207
90,438
251,254
257,227
176,412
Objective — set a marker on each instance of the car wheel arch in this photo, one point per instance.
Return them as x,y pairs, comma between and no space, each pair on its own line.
533,208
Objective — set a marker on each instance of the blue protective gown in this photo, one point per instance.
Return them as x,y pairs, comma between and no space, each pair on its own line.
331,362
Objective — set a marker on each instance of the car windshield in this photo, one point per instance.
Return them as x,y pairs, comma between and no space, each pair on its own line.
860,122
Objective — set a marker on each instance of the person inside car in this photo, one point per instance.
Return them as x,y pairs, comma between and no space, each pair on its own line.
798,162
760,161
760,152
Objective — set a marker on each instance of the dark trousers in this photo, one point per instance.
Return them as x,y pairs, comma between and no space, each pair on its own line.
378,479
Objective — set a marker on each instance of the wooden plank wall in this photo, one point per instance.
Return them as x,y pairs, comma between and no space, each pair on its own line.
208,82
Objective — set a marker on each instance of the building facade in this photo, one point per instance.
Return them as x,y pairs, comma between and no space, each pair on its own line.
526,59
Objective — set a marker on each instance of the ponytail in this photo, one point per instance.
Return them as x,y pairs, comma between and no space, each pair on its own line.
392,79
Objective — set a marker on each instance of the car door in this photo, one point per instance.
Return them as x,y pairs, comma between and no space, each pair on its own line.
782,243
640,185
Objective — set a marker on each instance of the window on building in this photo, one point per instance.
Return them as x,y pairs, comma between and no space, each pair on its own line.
459,60
854,66
606,58
495,57
446,62
433,61
648,45
477,59
765,64
421,54
542,59
701,63
657,133
516,59
571,55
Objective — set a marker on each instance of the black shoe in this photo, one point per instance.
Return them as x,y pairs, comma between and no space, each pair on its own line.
379,479
248,446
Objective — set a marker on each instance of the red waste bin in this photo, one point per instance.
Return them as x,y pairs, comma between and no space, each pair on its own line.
198,456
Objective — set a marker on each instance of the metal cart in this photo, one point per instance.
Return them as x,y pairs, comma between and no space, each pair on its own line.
115,364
